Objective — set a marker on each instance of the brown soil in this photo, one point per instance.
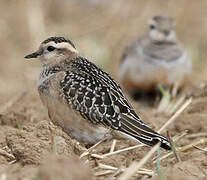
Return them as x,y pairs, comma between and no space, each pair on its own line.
37,149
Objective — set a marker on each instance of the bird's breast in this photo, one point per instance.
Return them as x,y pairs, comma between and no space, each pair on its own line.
77,127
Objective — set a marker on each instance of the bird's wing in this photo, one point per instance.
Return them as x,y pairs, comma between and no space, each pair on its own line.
99,98
130,50
88,96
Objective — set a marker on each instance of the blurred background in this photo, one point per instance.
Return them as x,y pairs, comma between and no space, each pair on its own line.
100,29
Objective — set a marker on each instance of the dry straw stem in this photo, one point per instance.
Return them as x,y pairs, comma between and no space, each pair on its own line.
175,89
174,106
10,103
173,147
190,146
6,154
182,108
135,166
53,144
201,149
12,162
175,139
107,172
185,148
191,136
110,169
116,173
122,150
97,156
116,152
167,106
113,146
164,102
88,151
178,137
103,173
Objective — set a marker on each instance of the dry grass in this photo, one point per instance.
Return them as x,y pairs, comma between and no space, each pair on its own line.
100,31
134,167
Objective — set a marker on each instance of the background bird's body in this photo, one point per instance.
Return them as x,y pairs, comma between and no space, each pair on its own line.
83,99
157,58
148,64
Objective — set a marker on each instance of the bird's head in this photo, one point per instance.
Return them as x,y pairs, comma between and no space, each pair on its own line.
54,50
161,29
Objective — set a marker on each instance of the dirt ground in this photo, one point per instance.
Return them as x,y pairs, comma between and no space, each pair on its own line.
31,148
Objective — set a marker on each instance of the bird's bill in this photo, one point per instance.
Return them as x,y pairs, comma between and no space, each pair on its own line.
33,55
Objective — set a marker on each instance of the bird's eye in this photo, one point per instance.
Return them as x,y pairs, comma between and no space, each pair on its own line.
152,26
50,48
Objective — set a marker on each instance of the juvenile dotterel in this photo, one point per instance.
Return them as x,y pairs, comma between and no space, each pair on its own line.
154,59
83,99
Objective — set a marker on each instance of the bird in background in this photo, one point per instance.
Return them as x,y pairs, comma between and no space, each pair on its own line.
157,58
85,101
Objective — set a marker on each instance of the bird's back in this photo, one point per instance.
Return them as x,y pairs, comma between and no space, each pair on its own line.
99,99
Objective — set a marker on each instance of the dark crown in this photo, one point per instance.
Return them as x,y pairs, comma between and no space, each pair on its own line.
162,18
58,40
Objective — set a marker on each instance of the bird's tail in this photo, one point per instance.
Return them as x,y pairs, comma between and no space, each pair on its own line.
141,132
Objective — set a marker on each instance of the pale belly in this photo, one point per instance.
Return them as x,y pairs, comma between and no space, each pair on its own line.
73,123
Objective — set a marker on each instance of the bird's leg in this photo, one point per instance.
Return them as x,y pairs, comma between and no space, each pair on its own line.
106,137
53,145
113,145
175,89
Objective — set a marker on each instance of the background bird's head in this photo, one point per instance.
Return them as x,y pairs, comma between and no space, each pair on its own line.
161,29
54,50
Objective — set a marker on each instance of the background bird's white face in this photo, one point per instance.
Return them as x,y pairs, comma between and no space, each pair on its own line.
52,52
162,29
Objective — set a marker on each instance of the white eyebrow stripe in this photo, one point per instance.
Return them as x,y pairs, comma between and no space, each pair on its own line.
62,45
